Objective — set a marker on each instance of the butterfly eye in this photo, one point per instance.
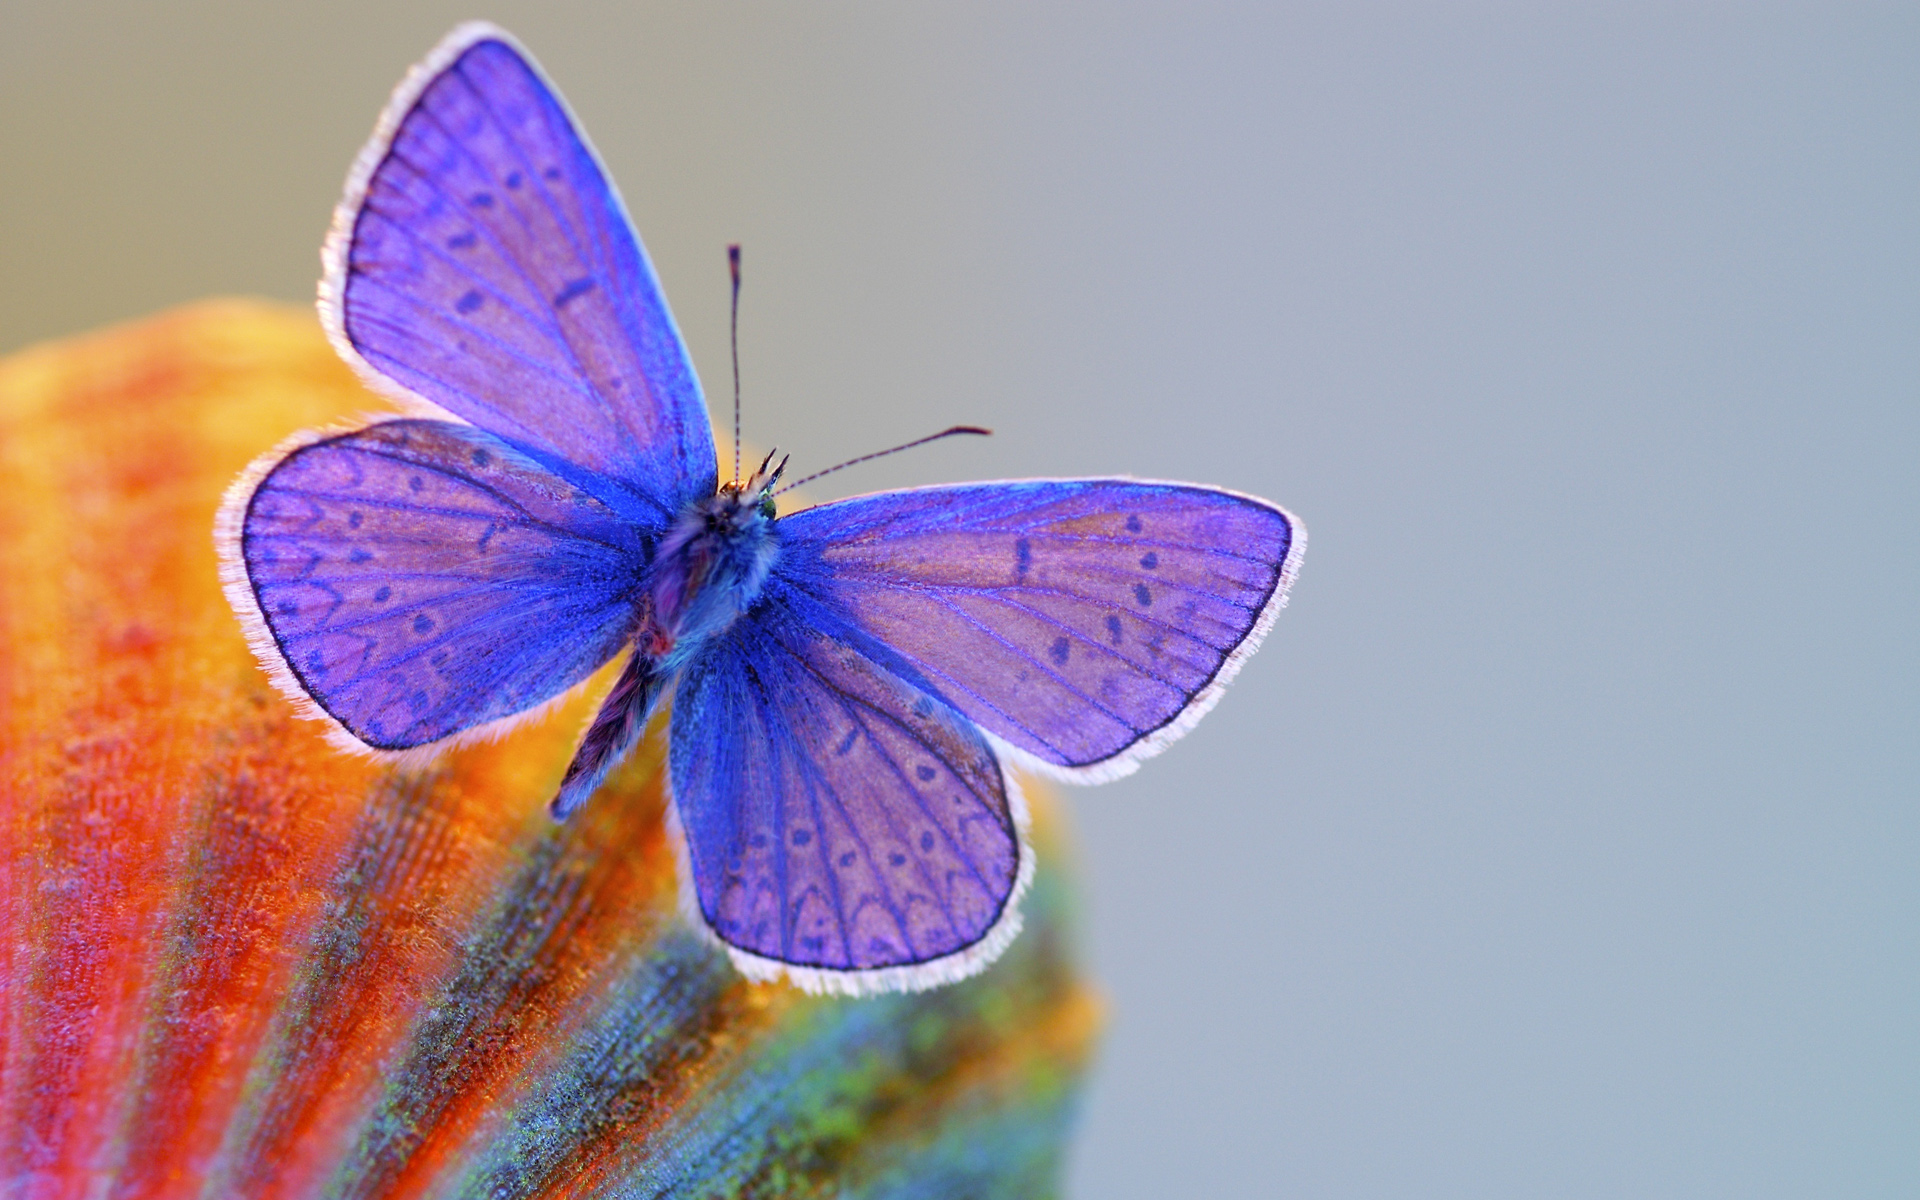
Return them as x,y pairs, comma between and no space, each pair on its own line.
766,505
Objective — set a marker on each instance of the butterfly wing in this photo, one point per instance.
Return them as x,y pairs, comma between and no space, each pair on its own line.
482,261
843,824
416,579
1085,623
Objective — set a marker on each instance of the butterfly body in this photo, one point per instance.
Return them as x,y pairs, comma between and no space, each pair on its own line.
849,681
709,569
706,573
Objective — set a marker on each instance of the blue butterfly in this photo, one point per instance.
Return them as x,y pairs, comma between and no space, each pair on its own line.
849,682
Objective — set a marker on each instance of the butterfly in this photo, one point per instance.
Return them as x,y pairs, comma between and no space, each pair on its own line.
849,683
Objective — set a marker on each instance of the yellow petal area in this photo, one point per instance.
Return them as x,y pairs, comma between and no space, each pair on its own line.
237,962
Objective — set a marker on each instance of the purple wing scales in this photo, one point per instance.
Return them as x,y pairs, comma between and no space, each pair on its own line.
420,578
1083,622
482,260
843,824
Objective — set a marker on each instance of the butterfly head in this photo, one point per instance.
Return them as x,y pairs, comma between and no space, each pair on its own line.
754,498
738,509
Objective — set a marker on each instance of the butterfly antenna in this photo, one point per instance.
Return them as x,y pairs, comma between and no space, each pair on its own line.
944,433
733,265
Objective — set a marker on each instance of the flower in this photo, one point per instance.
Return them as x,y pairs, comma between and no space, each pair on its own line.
237,962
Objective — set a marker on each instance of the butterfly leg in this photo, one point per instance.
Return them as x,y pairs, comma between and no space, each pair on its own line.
614,732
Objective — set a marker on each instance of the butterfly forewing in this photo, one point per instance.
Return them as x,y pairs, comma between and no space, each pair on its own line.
421,578
1074,619
838,816
489,268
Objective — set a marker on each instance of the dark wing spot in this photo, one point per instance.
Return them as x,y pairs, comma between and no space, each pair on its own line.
846,860
486,537
1058,651
573,291
897,859
415,482
462,241
482,200
923,708
417,702
813,943
513,179
1113,630
439,658
353,520
481,458
289,609
551,172
925,773
846,743
926,843
380,597
1149,560
359,556
1022,556
802,836
758,841
1133,524
469,302
1141,594
422,623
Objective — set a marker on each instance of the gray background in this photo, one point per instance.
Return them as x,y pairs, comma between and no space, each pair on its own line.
1562,840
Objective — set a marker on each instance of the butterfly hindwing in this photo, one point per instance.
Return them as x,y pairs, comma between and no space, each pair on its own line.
843,823
1083,622
420,578
481,260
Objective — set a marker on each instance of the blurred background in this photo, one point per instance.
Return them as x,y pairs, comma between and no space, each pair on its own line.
1562,840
